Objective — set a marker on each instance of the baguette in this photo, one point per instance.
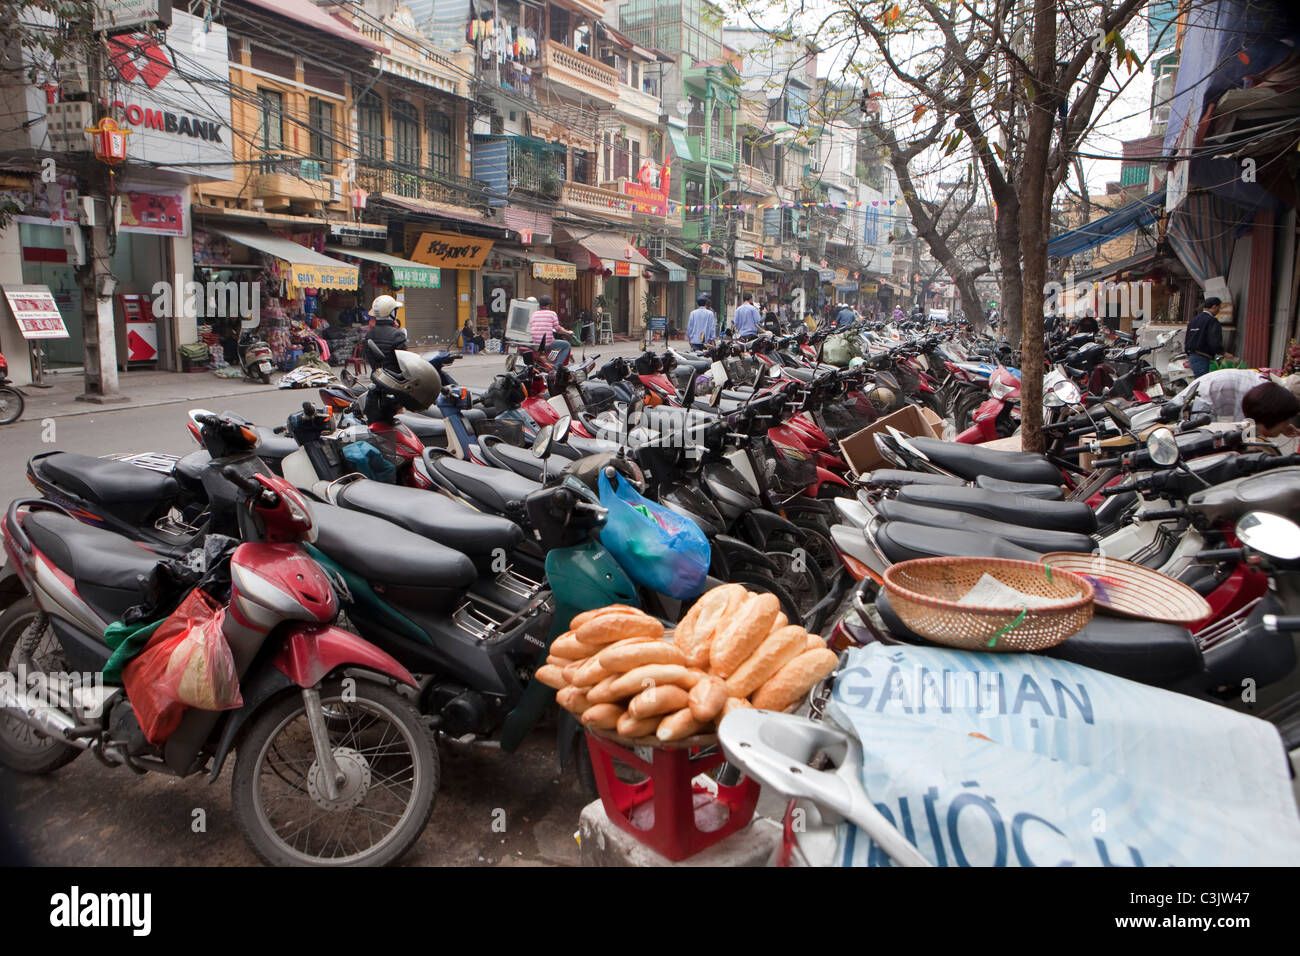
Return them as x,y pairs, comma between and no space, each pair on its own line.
560,662
659,699
572,699
716,607
815,643
778,648
635,681
784,688
742,633
589,672
696,651
569,646
585,616
602,716
603,693
618,626
706,699
551,676
677,726
734,703
630,726
621,659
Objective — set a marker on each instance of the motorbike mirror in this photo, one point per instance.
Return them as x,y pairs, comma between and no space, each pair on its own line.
1162,447
512,360
1270,534
1118,415
1067,392
560,431
542,443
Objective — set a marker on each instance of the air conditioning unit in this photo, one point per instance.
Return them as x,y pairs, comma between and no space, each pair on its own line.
336,188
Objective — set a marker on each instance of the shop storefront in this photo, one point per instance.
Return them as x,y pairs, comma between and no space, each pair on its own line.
462,262
617,271
298,292
428,309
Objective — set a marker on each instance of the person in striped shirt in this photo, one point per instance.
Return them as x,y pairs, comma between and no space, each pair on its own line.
545,325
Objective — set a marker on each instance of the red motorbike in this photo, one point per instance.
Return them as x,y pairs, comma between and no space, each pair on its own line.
333,766
11,399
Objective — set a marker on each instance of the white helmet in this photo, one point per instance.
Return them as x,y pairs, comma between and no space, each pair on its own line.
384,307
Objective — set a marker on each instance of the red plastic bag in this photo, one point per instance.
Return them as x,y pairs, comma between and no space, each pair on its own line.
187,663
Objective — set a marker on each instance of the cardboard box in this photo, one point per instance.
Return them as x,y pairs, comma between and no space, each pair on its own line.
859,449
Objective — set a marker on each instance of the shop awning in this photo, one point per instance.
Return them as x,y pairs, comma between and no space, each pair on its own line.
680,252
406,274
1118,223
675,272
605,247
677,137
748,276
544,267
763,267
308,269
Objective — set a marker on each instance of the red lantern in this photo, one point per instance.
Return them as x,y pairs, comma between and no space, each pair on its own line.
110,142
705,247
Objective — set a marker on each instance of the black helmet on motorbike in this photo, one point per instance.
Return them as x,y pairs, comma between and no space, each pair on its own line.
417,383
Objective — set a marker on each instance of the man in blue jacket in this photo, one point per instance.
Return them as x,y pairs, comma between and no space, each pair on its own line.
701,326
1204,339
747,318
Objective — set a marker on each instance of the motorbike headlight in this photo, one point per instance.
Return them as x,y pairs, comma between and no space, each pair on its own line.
999,388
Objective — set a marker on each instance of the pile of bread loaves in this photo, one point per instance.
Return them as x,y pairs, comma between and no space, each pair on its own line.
619,672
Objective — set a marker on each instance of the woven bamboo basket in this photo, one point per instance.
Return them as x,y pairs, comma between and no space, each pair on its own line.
925,595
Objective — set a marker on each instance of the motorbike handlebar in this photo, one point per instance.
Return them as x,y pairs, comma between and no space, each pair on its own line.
1163,514
1276,623
1215,555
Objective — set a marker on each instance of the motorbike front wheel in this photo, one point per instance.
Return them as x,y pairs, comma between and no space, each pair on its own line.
11,405
388,761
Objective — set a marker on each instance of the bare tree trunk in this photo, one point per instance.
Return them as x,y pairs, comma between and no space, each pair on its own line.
1034,208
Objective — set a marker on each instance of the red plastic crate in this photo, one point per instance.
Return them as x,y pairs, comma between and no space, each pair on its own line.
666,811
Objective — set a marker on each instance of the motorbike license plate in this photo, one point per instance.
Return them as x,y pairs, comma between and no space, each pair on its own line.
264,366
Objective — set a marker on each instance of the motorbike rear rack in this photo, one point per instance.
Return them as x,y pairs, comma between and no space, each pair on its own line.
517,583
1226,629
153,461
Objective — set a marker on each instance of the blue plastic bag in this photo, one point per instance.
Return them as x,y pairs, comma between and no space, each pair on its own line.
365,459
658,548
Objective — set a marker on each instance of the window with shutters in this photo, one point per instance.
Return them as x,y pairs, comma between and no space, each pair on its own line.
321,120
441,159
622,154
406,134
583,167
270,133
370,126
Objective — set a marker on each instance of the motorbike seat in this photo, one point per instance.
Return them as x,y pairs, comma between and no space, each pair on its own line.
385,553
495,488
1161,655
896,478
521,460
1035,539
271,445
430,431
971,461
900,541
107,567
1013,509
1046,492
433,516
805,375
134,494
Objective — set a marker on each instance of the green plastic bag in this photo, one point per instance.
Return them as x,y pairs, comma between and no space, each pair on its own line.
127,640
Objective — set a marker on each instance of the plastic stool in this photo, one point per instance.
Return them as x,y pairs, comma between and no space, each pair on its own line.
668,803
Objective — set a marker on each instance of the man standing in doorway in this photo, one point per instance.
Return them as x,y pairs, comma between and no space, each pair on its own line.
1204,339
747,318
701,326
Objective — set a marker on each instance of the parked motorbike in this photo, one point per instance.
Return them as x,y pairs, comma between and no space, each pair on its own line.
12,400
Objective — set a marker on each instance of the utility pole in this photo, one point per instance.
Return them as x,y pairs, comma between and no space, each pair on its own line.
96,278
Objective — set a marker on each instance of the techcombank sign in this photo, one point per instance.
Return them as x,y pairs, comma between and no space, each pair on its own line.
174,97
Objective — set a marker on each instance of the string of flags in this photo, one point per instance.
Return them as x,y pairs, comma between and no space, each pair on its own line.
843,204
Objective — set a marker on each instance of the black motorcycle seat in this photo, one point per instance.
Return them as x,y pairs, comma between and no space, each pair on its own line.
1035,539
106,567
1046,492
432,515
271,445
108,481
521,461
1160,655
900,541
431,431
805,375
971,461
383,552
1014,509
472,416
896,477
495,488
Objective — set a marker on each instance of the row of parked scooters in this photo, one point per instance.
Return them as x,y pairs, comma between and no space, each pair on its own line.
396,560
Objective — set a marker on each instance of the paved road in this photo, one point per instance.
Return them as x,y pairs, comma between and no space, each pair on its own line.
89,814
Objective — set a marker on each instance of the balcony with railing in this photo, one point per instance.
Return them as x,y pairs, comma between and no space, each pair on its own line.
638,105
598,200
720,151
568,67
754,180
421,183
282,179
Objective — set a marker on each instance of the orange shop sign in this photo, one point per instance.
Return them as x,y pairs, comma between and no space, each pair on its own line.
450,251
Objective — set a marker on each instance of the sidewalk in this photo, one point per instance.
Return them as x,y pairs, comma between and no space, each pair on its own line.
148,388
